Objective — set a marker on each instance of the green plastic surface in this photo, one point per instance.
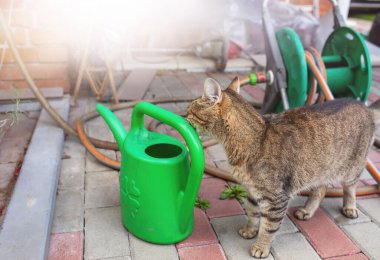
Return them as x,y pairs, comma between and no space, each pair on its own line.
158,185
293,56
348,64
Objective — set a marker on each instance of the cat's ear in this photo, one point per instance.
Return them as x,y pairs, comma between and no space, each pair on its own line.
212,90
235,85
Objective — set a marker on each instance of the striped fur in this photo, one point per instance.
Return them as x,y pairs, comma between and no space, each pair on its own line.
277,156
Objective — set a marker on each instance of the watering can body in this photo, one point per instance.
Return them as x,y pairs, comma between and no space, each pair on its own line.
158,186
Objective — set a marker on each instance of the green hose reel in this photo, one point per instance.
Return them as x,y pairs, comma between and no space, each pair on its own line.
346,59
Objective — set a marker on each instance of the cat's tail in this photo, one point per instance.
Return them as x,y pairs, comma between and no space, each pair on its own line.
375,106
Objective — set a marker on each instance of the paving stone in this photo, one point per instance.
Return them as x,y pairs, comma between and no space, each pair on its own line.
102,189
333,207
210,189
371,207
213,251
366,235
374,156
92,165
73,148
69,210
257,93
105,234
141,250
287,227
72,173
217,152
365,175
208,158
359,256
297,201
224,165
292,246
203,234
235,247
28,220
324,235
12,149
99,131
7,171
66,246
24,128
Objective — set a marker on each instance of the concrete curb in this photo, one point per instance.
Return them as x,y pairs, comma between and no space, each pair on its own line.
26,229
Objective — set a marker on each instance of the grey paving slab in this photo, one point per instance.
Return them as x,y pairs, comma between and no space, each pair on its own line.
217,152
297,201
73,148
287,227
105,235
293,246
333,207
175,86
371,207
99,130
224,165
157,88
141,250
23,106
72,173
365,175
92,165
366,235
234,246
102,189
28,220
116,258
69,211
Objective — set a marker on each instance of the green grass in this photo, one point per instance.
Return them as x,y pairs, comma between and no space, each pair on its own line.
234,192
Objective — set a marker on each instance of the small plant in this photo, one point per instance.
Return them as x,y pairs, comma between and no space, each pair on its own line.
203,204
234,192
16,113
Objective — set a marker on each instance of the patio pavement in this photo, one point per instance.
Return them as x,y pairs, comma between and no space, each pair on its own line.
87,221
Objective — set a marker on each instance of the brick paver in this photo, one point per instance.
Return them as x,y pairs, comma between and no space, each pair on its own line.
359,256
210,189
66,246
203,234
371,207
213,251
324,235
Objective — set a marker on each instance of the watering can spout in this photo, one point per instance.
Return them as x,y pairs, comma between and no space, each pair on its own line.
114,124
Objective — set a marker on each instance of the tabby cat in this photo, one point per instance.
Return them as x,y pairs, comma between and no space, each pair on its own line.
279,155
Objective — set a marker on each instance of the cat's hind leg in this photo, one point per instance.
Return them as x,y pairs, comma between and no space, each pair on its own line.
312,203
250,230
349,199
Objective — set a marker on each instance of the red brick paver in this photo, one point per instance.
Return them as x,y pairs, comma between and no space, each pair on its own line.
203,234
324,235
66,246
214,252
350,257
210,189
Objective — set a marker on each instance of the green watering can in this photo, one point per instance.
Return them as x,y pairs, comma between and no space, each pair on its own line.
158,184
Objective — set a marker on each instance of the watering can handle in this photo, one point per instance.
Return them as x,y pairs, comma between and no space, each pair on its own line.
192,141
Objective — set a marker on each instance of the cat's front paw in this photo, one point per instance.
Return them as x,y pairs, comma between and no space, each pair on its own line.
302,214
260,251
247,232
350,212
